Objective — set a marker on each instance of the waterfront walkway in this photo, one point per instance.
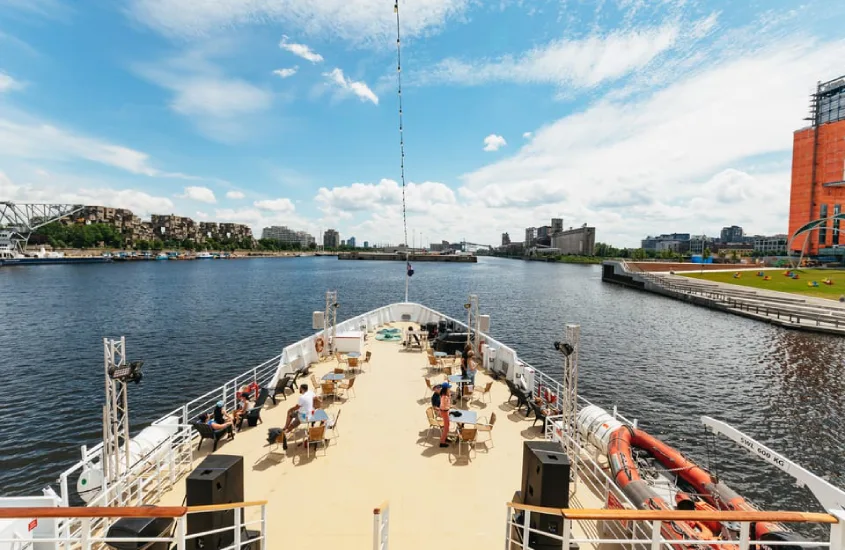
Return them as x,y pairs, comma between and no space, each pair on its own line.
780,308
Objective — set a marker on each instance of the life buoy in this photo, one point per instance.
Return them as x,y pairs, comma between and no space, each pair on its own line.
318,345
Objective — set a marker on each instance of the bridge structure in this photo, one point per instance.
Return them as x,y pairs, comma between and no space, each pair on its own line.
19,220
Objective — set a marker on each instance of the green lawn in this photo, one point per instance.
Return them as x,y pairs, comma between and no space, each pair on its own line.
782,283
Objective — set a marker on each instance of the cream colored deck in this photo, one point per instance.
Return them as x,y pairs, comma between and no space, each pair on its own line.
382,454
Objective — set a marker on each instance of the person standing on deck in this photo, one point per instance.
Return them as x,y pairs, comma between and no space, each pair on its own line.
445,405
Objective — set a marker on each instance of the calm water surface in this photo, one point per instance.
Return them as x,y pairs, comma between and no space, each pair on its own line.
196,324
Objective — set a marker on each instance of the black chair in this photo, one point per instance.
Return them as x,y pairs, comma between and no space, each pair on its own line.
207,432
253,416
284,383
538,413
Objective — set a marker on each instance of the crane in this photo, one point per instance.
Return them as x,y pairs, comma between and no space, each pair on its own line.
19,220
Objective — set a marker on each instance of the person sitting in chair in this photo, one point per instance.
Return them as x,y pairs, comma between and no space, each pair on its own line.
205,418
302,411
221,416
244,406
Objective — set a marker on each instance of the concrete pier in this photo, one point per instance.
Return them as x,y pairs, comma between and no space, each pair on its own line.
777,308
411,257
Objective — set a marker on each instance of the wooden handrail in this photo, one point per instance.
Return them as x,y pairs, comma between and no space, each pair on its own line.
117,512
380,508
216,507
679,515
93,512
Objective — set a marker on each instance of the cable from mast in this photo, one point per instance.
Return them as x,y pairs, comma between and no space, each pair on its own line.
401,126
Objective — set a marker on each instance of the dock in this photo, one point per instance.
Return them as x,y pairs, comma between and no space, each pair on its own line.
770,306
400,256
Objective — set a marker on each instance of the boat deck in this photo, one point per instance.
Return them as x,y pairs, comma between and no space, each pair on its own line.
383,453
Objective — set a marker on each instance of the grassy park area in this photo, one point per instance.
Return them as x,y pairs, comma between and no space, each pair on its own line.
780,282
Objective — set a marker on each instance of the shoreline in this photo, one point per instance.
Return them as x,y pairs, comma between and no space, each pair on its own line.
183,254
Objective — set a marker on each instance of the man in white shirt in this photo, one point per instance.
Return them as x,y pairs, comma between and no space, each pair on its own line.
302,411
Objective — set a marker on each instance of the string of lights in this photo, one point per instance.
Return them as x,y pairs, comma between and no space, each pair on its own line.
401,125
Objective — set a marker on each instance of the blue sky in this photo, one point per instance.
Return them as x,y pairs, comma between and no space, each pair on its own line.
636,116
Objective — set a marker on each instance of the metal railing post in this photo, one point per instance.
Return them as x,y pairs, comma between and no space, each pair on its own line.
837,530
507,528
567,532
238,521
85,534
744,537
181,529
655,534
263,544
376,531
527,521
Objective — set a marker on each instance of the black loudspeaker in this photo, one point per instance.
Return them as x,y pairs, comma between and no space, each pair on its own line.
545,482
129,528
219,479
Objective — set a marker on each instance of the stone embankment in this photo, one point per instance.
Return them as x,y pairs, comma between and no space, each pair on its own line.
778,308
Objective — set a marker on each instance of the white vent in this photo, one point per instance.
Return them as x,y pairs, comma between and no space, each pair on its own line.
317,320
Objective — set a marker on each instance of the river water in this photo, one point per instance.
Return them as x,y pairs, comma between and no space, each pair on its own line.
197,324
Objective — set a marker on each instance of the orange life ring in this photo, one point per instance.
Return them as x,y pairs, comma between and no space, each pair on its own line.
318,345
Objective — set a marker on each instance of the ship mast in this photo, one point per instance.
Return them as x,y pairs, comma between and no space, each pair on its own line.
402,145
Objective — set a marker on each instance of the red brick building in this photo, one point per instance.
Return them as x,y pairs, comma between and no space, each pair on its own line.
818,170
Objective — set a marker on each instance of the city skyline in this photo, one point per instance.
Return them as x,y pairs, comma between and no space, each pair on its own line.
634,116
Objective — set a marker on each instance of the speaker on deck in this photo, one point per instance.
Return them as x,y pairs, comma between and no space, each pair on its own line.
219,479
545,482
484,323
317,319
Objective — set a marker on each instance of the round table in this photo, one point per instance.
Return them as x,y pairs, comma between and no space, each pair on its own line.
353,354
441,354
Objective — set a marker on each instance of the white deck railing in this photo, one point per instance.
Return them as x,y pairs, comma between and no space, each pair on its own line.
92,533
645,528
381,525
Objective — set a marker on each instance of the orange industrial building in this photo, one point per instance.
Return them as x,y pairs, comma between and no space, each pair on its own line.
818,172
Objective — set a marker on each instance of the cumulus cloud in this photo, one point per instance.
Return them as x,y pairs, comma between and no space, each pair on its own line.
235,195
300,50
679,158
286,73
66,188
347,85
494,142
275,205
200,194
527,135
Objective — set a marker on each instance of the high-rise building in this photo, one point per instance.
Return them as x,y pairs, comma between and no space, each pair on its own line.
818,168
530,235
331,239
557,225
732,234
350,242
506,239
366,244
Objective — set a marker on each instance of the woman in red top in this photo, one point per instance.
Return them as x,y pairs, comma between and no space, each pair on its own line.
445,405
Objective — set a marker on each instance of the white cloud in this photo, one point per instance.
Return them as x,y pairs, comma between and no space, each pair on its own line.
221,106
7,83
527,135
69,189
300,50
275,205
494,142
234,195
366,22
38,140
387,193
566,62
287,72
348,85
200,194
678,159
